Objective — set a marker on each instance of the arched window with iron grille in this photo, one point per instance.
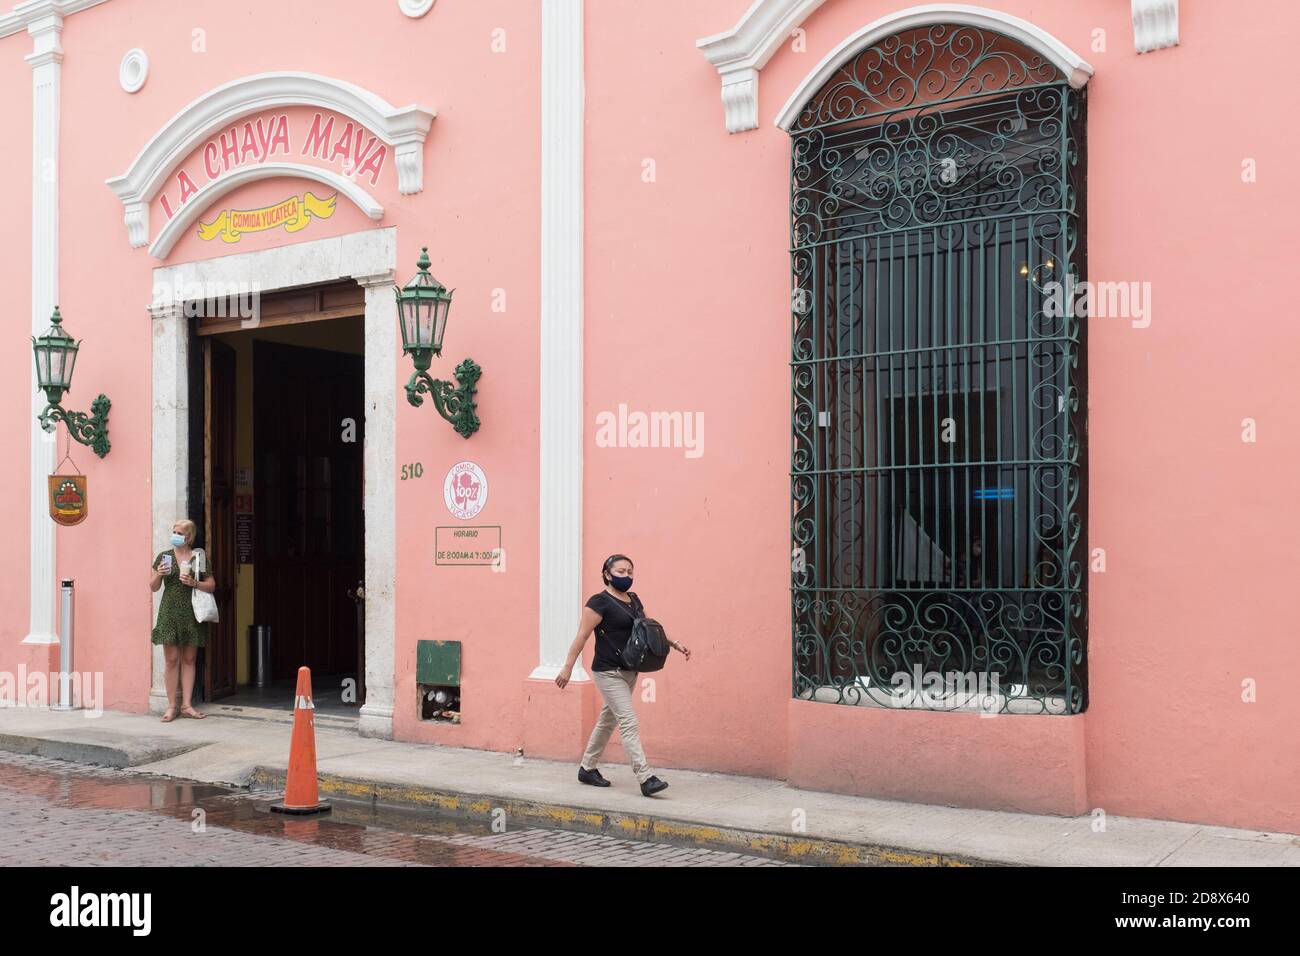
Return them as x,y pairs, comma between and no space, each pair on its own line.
938,470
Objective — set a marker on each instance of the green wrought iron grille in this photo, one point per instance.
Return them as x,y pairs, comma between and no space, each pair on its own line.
938,370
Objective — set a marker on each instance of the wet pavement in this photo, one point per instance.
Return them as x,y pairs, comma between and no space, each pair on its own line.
55,813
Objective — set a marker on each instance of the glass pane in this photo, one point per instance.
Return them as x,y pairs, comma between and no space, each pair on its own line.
426,322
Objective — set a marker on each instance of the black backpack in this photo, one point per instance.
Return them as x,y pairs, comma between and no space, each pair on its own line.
647,648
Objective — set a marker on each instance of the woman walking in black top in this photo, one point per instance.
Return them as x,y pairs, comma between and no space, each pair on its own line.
610,613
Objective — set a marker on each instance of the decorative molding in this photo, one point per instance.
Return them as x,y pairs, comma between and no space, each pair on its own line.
1155,24
134,70
1075,69
136,218
383,278
369,252
404,128
409,160
371,258
46,60
740,99
739,54
25,14
415,8
560,418
205,197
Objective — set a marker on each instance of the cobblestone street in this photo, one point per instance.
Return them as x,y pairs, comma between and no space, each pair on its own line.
54,813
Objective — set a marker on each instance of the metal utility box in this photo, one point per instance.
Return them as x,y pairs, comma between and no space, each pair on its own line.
437,663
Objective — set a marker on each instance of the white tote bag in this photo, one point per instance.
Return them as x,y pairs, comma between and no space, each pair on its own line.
205,605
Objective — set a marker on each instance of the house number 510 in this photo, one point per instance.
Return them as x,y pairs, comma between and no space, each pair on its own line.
412,471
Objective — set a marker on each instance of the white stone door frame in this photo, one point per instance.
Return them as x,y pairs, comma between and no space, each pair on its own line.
369,258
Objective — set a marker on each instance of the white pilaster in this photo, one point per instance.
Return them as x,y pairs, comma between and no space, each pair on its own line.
46,61
170,466
560,409
381,386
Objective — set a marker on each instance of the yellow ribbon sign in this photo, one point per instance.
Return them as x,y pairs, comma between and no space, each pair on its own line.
292,214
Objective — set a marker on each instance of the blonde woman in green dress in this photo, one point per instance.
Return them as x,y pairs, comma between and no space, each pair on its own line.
177,630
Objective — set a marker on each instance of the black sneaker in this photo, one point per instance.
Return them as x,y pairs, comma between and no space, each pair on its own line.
652,786
592,777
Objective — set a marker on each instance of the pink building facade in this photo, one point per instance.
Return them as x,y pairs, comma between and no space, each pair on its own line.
729,271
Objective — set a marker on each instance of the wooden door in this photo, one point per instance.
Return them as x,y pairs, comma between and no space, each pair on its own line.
308,412
219,673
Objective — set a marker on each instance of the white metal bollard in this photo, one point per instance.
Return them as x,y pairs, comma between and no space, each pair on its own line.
65,645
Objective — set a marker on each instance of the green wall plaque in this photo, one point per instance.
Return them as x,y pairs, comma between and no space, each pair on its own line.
437,662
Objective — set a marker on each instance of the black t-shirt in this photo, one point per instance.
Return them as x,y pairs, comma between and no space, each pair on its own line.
614,629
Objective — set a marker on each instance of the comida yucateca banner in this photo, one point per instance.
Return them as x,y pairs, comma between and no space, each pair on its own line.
290,214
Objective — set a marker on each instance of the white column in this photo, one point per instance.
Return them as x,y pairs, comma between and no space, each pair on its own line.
380,470
561,413
170,448
46,61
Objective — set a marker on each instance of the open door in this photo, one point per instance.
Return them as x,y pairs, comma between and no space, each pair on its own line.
219,674
308,542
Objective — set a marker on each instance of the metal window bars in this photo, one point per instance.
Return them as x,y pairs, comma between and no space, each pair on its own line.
938,370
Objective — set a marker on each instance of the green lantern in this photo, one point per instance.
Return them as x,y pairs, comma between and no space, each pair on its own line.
422,308
56,355
423,305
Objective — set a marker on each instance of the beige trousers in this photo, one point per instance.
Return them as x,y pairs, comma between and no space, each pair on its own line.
616,688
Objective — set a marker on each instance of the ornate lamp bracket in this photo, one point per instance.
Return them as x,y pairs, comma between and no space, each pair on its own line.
86,429
454,403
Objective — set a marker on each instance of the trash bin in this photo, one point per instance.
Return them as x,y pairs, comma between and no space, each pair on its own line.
259,640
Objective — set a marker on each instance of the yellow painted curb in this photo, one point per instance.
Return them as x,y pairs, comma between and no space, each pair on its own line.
631,826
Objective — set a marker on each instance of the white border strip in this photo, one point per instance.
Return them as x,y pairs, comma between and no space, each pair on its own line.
560,406
46,62
25,14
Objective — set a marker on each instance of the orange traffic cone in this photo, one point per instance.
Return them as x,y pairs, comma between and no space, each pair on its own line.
300,793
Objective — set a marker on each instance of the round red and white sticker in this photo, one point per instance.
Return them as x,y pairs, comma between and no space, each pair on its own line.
465,491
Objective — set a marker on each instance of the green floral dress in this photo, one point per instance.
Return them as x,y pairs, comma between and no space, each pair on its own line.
176,621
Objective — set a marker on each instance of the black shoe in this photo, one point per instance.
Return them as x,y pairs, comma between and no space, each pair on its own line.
652,786
592,777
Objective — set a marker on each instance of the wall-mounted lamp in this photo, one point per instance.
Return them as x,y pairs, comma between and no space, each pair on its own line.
422,307
56,354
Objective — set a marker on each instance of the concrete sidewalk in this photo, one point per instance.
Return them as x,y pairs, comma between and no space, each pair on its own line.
708,809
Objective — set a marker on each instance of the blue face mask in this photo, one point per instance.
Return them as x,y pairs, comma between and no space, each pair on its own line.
620,584
177,540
